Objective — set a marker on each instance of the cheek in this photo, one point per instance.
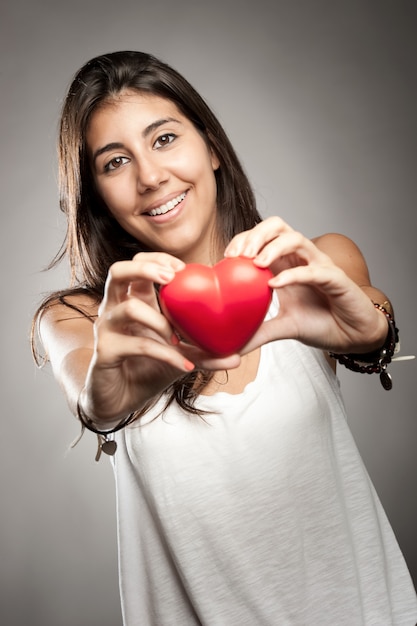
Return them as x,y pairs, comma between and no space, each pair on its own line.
117,198
197,160
197,170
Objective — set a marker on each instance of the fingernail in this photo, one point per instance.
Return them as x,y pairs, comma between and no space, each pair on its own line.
188,365
174,339
261,259
166,275
230,251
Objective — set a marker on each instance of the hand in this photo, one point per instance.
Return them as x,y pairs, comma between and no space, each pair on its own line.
320,304
136,352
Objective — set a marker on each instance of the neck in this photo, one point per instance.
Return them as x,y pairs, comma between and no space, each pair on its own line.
209,255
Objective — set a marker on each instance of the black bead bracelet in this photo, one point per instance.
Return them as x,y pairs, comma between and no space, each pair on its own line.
375,362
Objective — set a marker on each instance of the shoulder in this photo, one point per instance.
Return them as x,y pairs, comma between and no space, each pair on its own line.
66,321
64,307
336,244
344,253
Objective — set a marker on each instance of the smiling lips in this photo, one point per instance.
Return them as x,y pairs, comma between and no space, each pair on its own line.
164,208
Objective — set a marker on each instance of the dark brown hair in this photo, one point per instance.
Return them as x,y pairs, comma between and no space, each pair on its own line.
94,240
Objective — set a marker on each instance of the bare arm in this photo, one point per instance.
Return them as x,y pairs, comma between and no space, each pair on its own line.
68,339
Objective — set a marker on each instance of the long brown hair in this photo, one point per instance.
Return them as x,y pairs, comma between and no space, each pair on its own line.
94,240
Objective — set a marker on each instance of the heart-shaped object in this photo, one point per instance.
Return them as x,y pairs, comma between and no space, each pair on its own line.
218,308
109,446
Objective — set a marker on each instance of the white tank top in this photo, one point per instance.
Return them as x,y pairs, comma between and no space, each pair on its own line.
259,514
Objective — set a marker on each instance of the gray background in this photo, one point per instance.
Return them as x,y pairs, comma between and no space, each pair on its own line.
320,100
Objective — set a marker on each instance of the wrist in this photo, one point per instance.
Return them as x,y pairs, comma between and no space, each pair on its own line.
388,339
93,423
376,361
384,331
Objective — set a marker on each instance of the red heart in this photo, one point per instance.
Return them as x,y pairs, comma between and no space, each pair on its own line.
218,308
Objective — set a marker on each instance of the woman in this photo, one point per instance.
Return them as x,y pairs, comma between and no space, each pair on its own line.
241,495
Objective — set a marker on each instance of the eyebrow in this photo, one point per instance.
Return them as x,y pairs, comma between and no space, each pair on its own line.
145,133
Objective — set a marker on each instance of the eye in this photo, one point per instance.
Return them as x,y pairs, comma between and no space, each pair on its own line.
115,163
164,140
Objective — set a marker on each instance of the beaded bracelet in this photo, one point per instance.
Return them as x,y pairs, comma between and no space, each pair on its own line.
375,362
106,445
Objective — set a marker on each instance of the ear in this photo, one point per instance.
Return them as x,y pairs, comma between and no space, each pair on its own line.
215,163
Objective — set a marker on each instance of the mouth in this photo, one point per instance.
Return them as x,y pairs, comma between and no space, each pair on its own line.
166,208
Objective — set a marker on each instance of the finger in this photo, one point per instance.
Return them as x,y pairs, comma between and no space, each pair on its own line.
135,312
251,242
144,269
130,346
328,278
302,250
271,330
205,360
163,258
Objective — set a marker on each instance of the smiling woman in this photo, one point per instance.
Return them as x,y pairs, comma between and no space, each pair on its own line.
155,172
261,512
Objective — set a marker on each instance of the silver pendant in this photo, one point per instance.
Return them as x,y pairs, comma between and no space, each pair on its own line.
109,446
386,380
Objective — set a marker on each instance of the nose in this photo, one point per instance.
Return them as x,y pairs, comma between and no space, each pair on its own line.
150,173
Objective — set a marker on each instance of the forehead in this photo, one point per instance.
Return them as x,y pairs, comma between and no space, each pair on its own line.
134,104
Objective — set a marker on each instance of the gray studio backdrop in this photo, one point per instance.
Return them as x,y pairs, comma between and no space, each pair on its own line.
319,98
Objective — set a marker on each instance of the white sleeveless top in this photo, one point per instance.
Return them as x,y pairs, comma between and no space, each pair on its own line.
259,514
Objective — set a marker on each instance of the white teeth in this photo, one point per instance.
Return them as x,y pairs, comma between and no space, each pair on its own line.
164,208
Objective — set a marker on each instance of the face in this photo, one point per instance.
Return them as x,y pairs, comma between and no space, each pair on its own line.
155,173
